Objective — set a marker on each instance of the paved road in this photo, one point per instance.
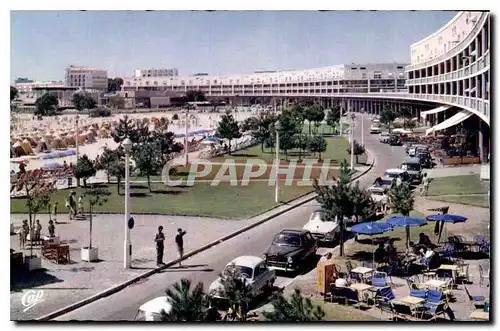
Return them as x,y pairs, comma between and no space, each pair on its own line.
205,266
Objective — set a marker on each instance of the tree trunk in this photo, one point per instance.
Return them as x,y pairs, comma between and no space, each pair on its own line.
309,127
229,147
85,182
78,182
262,147
319,156
149,183
341,224
119,181
357,161
108,177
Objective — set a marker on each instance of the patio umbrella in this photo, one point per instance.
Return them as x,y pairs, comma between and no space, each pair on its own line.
445,218
371,229
407,222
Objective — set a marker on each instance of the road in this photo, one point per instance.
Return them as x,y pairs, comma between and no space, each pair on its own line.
205,267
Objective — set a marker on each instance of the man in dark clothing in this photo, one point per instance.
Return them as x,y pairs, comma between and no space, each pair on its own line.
180,243
159,239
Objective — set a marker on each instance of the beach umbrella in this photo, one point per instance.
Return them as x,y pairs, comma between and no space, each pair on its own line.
371,229
27,146
18,149
407,222
445,218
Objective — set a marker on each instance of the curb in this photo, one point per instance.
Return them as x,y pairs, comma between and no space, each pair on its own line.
121,286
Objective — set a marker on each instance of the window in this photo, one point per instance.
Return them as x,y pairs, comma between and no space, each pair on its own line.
362,68
454,31
440,40
354,68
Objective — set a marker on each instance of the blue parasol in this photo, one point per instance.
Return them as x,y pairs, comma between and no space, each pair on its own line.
445,218
371,229
407,222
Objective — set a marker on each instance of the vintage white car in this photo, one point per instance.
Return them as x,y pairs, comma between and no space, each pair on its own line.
375,128
255,271
378,194
322,230
153,310
384,137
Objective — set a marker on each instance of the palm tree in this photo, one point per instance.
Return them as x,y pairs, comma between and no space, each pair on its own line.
297,309
188,305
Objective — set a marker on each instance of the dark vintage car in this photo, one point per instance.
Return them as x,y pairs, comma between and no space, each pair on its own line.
395,141
425,159
290,250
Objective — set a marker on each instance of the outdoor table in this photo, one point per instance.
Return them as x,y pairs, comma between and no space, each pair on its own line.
362,271
435,283
450,267
480,315
360,288
411,300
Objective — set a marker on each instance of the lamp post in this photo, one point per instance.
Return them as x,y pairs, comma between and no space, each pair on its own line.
362,126
353,116
186,142
127,245
77,118
277,127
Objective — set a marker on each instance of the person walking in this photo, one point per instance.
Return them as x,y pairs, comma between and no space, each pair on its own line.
179,240
425,185
160,240
54,212
37,232
52,229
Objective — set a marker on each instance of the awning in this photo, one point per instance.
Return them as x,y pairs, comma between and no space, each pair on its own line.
434,111
454,120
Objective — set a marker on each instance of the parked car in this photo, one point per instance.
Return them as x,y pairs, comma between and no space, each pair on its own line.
425,159
255,271
395,140
290,249
383,182
153,310
414,150
380,197
321,230
414,169
384,137
395,173
375,128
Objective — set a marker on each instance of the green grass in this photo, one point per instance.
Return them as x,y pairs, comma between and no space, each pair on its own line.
336,151
223,201
336,312
455,185
471,200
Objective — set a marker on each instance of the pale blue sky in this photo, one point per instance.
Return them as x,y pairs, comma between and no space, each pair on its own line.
44,43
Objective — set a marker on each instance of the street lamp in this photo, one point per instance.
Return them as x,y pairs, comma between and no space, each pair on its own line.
277,127
186,148
353,116
362,126
77,119
127,245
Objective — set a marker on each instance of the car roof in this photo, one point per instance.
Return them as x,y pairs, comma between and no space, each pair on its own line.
318,211
386,178
376,188
157,305
395,170
293,231
412,160
247,261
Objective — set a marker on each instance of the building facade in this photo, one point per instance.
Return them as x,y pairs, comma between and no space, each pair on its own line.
26,93
156,72
87,78
23,80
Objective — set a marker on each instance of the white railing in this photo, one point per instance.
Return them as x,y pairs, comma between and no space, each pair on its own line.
455,50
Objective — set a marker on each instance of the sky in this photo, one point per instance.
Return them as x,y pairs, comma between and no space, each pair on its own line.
44,43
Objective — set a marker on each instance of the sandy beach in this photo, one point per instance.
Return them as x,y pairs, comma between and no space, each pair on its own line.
24,125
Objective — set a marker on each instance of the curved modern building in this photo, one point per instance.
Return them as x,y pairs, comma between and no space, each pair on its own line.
447,82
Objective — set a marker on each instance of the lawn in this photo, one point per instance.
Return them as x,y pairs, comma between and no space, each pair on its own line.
457,185
336,312
472,200
202,199
223,201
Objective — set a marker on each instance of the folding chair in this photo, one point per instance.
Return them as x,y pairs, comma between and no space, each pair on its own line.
477,300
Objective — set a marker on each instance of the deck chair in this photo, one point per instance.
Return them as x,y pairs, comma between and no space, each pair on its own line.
422,294
386,307
477,300
435,304
483,276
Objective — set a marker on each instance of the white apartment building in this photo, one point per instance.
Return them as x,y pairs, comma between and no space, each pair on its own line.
156,72
26,92
87,78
